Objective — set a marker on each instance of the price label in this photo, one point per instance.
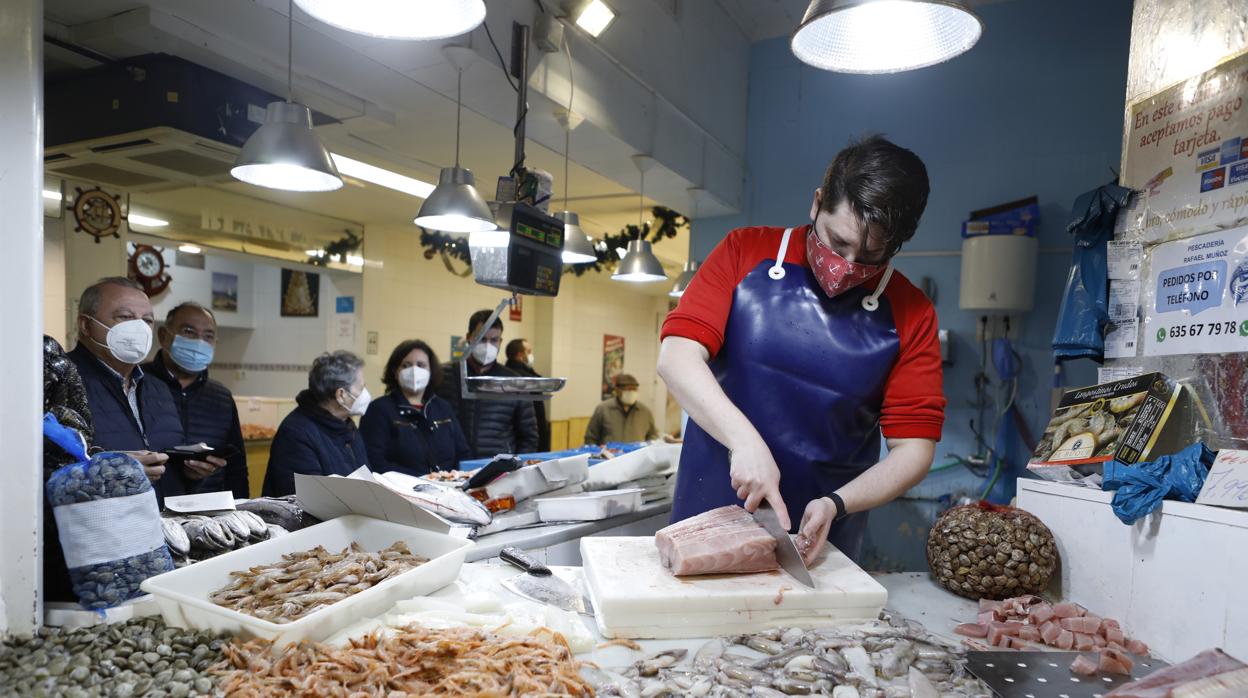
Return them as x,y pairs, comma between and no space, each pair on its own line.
1227,484
1124,258
1124,299
1120,342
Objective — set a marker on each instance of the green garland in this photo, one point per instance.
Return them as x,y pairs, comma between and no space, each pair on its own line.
667,223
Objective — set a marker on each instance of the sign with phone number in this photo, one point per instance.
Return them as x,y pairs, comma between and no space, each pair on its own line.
1200,303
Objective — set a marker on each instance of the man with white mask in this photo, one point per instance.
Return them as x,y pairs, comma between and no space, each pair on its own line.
491,426
621,418
188,341
130,413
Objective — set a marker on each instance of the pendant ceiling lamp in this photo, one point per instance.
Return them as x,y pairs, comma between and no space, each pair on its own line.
455,206
883,36
284,153
399,19
577,247
639,264
696,194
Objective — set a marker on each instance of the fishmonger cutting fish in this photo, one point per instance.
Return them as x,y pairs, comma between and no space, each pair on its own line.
793,349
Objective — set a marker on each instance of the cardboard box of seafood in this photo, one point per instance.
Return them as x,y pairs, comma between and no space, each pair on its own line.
1130,420
364,520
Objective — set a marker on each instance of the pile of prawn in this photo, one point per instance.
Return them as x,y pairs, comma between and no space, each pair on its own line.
414,661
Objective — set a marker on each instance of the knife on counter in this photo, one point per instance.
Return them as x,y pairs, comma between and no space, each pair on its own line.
539,584
786,550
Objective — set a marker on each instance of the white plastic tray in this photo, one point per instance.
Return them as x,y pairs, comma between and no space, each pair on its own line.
183,594
590,506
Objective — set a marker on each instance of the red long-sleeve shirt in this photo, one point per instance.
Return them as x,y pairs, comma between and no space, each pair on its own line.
914,402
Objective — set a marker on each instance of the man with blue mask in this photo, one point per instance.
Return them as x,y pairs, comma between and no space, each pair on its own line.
188,340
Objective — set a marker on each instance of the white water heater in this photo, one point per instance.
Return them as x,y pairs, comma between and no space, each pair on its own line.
998,273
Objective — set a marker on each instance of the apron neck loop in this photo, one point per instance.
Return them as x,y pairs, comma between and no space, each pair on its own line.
776,272
871,302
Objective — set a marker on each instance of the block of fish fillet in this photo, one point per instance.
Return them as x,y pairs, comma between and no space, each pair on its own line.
1230,684
1159,684
726,540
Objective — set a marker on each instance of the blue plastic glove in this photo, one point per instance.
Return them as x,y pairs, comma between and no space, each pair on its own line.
1142,487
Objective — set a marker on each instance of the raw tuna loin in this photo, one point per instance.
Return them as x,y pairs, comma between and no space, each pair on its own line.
726,540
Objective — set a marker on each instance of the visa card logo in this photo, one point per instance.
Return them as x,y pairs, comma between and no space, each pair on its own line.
1239,172
1207,160
1213,180
1231,150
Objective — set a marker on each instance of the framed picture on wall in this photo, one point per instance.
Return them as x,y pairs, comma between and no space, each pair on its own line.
301,293
612,362
225,292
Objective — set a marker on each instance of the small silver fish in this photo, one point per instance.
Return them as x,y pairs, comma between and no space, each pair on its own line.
450,503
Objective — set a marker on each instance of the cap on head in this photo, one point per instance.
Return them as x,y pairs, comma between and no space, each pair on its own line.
625,380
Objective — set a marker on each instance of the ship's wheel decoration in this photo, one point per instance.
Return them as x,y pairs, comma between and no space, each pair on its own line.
97,213
147,266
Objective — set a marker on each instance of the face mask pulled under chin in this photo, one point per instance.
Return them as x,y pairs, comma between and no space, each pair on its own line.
128,341
485,353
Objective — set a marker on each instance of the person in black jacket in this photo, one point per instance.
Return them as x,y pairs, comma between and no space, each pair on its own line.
411,429
130,412
318,437
188,340
491,426
520,360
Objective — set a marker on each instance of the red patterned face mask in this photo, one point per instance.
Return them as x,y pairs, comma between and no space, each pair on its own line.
834,273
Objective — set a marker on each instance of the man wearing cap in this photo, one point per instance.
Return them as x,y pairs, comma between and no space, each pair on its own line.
621,418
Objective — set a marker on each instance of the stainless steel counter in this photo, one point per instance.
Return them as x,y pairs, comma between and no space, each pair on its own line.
558,544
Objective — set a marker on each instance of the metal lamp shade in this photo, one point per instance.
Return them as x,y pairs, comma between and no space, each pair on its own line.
284,153
883,36
399,19
639,264
455,206
682,281
577,248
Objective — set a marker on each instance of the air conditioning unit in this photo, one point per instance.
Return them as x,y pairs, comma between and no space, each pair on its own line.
150,123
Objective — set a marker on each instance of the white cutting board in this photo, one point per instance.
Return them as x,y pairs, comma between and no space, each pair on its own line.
635,596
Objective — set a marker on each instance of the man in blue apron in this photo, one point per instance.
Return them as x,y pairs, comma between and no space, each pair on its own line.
793,349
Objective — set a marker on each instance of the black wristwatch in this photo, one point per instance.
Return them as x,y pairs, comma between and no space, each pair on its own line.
840,506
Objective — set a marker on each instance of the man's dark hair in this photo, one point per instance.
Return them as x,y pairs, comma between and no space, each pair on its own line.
478,318
89,302
884,184
514,347
185,305
390,376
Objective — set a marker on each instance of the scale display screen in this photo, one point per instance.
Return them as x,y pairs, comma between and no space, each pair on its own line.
532,260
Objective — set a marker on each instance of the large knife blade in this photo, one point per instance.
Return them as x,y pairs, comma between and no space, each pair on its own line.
539,584
786,550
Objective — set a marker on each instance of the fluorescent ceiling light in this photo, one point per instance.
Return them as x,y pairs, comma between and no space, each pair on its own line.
189,249
885,36
382,177
594,17
399,19
51,195
146,221
355,260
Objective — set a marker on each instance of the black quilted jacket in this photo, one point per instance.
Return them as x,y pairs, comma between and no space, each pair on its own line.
491,426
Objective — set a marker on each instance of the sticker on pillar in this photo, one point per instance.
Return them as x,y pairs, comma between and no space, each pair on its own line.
1214,179
1200,295
1194,288
1231,150
1207,160
1239,172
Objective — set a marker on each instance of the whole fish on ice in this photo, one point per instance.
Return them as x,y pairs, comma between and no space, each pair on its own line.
448,502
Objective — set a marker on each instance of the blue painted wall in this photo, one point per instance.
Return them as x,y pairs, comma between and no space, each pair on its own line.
1035,108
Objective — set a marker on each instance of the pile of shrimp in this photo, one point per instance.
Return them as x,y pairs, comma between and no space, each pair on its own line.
414,661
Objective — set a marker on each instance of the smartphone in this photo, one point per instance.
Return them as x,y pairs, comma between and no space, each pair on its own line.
181,454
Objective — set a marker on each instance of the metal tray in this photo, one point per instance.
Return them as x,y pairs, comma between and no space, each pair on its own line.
517,385
1019,674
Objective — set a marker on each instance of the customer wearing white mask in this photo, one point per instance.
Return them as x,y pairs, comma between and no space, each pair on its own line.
129,413
621,418
410,429
520,359
491,426
318,437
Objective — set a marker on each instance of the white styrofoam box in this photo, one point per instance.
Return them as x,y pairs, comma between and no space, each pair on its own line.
623,468
1173,579
70,616
183,594
540,478
636,597
590,506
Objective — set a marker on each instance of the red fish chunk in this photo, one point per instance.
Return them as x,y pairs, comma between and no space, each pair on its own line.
1066,640
1029,633
1087,625
971,630
1115,662
1049,632
1083,666
1084,642
1040,614
1115,635
1066,610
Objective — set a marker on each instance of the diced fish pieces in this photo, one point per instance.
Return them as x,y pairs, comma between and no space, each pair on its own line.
1110,623
1084,666
1088,625
1040,614
989,605
721,541
1049,633
1029,633
1066,640
1099,640
1084,642
989,617
1114,635
1115,662
1067,610
1136,647
972,630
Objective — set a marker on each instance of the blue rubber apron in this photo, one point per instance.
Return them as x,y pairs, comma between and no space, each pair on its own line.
809,373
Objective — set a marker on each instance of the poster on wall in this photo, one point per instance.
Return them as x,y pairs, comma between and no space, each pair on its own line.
1187,152
457,348
517,310
612,362
301,292
225,292
1199,296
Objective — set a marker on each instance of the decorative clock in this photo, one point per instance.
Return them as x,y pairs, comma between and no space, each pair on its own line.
147,266
97,213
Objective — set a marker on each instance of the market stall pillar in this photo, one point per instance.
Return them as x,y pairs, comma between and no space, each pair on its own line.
21,285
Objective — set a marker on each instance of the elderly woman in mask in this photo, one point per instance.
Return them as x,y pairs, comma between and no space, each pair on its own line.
318,437
410,429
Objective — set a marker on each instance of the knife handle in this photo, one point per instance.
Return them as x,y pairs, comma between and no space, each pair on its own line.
524,561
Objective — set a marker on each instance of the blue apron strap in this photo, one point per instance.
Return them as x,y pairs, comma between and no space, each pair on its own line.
776,272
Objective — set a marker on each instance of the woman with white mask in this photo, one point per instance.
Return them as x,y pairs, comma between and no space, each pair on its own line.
319,436
410,429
